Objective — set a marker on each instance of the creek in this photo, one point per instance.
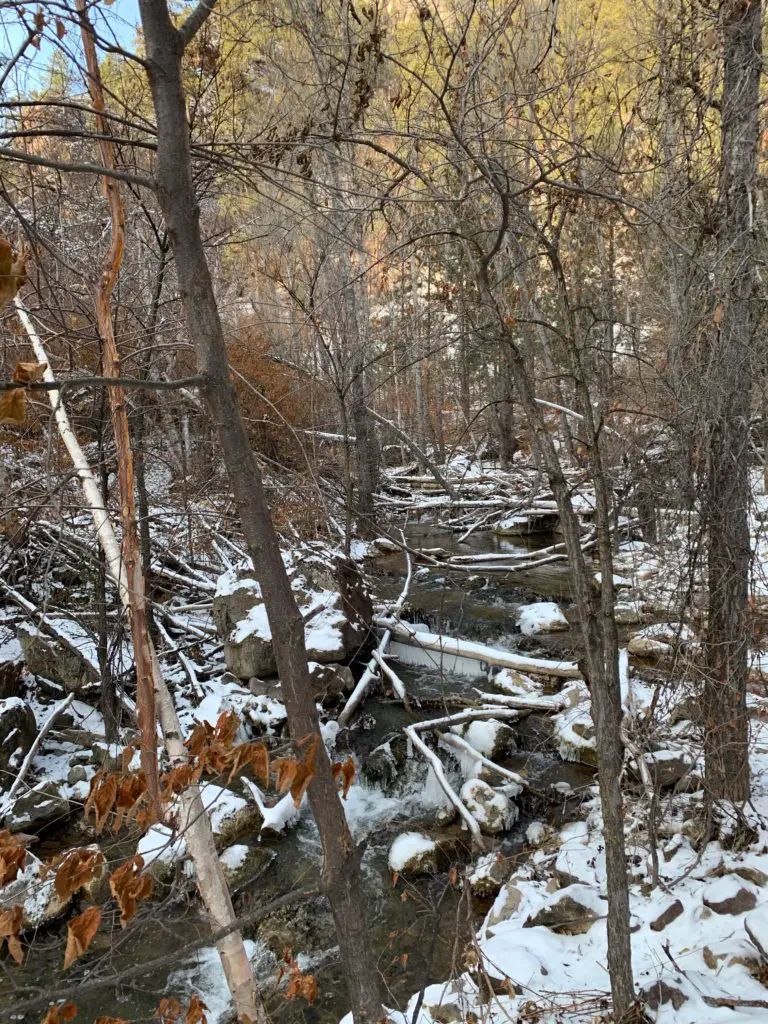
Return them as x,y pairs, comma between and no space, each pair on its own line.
419,926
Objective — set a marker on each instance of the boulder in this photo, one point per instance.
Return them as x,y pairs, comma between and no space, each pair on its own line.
330,681
659,640
488,874
668,767
236,593
73,665
667,916
659,993
756,927
569,911
17,734
10,678
37,808
36,894
541,617
507,902
382,766
493,811
242,864
491,738
248,648
413,853
728,895
307,927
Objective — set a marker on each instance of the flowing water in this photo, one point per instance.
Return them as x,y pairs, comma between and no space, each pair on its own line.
419,927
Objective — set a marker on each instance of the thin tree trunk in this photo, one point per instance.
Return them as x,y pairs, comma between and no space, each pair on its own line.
598,630
194,821
175,190
729,370
102,295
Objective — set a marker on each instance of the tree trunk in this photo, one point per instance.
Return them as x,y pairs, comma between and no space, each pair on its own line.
175,191
729,376
598,629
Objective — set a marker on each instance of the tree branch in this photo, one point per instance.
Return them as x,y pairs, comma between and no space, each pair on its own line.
94,382
196,20
61,165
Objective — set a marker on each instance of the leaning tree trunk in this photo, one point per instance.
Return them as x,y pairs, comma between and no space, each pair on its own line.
728,375
175,190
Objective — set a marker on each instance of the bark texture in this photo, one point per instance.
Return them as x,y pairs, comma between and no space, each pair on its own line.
175,191
728,373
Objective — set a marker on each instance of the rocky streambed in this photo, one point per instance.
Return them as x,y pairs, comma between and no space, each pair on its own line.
422,911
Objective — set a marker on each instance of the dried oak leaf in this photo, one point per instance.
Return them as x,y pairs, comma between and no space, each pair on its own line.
110,1020
196,1012
12,856
61,1014
12,405
131,790
296,775
169,1011
80,933
250,755
178,779
298,984
13,272
346,772
101,797
10,926
75,869
129,887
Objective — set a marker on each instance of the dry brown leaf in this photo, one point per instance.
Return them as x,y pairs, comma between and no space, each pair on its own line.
346,772
12,407
296,775
169,1011
250,755
75,869
129,887
196,1012
110,1020
719,314
80,933
178,779
61,1014
298,984
131,790
28,373
12,856
61,31
10,926
101,797
13,272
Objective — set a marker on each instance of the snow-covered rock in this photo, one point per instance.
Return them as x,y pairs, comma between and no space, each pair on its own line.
40,806
490,737
541,617
659,640
331,595
570,911
668,767
756,927
493,811
729,895
488,874
17,734
413,853
73,664
35,890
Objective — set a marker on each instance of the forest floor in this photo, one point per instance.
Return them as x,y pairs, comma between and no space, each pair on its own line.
476,731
